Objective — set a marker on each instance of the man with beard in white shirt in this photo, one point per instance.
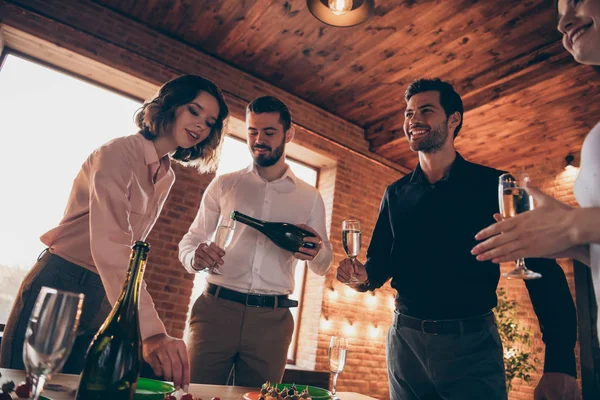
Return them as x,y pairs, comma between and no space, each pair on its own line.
242,319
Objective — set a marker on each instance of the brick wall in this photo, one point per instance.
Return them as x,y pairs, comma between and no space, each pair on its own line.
358,185
351,185
170,284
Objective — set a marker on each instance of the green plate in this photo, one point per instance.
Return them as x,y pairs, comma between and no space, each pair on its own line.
147,389
150,389
315,393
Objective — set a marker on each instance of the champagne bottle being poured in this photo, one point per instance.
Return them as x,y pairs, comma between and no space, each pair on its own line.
287,236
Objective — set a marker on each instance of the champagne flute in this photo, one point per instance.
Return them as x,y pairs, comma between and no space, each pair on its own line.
222,237
50,334
338,347
514,199
351,241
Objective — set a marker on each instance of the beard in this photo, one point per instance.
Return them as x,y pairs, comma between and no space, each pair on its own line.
433,142
271,158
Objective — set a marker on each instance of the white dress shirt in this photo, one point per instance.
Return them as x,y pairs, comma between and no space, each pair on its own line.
252,263
587,193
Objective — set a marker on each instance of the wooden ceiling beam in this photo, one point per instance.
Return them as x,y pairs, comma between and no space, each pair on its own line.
507,78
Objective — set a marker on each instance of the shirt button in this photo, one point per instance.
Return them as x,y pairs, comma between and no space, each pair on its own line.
255,269
266,201
260,242
433,186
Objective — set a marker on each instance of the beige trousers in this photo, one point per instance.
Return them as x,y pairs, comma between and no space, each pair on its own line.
224,334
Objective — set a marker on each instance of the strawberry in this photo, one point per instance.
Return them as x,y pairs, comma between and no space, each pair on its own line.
23,390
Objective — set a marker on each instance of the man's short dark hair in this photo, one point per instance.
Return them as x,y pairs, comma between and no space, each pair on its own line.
268,104
449,99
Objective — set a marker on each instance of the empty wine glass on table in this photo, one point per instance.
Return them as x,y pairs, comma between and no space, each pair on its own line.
50,335
351,241
222,237
514,199
338,347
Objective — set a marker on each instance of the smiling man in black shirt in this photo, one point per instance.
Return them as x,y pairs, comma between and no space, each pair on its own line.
444,343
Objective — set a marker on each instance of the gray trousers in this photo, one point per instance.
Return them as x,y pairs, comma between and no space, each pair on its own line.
445,367
56,272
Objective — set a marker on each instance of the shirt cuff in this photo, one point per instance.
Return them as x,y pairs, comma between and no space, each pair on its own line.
560,359
150,326
189,262
322,262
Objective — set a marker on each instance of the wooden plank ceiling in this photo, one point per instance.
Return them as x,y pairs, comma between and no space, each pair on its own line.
526,100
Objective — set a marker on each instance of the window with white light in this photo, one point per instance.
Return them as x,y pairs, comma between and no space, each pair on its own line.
50,123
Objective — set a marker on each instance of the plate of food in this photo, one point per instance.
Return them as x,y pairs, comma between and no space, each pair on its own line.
283,391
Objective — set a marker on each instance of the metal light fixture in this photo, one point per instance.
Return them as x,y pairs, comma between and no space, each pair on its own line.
341,13
571,163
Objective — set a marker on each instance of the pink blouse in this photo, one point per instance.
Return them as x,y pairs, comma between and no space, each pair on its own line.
115,200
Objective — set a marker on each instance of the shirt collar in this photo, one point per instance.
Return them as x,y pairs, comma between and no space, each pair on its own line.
151,156
287,175
454,172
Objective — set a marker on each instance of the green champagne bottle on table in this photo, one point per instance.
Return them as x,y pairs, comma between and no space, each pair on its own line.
114,358
287,236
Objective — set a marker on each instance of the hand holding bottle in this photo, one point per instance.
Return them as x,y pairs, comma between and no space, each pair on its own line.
168,358
306,253
349,268
208,255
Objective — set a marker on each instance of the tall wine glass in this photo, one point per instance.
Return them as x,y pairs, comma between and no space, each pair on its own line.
50,335
338,347
351,241
514,199
222,237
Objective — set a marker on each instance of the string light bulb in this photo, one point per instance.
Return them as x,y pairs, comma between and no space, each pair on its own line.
371,300
350,292
333,294
349,329
325,323
373,331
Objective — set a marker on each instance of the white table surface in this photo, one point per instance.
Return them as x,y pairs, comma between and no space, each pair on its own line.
206,392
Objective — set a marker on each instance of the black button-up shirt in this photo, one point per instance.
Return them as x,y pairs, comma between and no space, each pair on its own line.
423,240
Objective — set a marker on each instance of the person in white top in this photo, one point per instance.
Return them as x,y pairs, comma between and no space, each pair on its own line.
242,319
554,229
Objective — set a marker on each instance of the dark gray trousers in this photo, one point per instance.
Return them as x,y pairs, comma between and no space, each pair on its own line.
56,272
468,366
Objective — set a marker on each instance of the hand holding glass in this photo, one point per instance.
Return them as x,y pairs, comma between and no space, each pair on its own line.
351,241
222,238
338,347
514,199
50,335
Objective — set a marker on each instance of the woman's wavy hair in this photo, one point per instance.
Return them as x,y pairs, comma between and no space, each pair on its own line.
158,114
